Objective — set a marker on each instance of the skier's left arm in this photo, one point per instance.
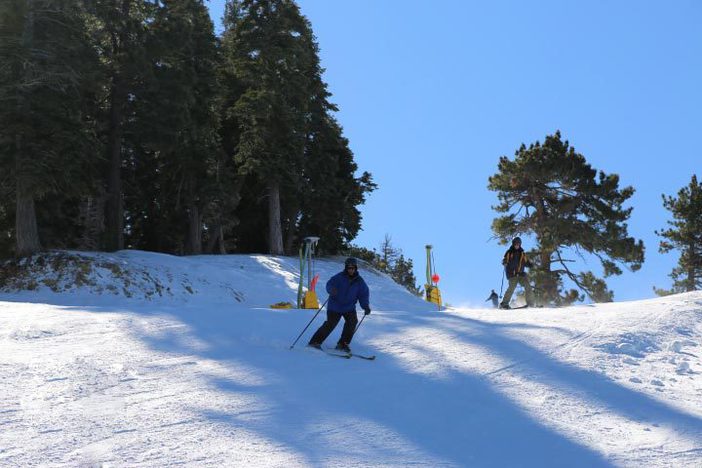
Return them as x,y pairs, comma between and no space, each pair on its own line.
363,297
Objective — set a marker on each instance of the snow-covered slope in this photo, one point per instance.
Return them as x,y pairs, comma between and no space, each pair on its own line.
169,360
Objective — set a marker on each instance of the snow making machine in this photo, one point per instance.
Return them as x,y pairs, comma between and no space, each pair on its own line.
431,289
307,299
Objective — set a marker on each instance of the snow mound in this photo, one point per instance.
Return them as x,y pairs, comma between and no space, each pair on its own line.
132,275
632,344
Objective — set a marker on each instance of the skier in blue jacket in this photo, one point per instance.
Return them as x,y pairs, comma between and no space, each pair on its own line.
344,290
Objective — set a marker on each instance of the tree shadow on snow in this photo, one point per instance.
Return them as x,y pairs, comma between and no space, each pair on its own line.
592,385
339,412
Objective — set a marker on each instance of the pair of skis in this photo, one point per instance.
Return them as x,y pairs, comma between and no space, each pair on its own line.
344,355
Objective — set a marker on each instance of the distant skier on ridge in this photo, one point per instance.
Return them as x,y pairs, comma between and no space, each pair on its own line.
345,289
494,298
514,262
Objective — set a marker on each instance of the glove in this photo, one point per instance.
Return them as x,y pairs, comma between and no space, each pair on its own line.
367,311
333,291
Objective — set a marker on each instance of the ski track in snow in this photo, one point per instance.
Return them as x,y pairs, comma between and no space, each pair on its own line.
207,379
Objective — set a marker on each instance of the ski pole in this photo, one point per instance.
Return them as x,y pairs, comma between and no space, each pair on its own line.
359,323
308,325
503,282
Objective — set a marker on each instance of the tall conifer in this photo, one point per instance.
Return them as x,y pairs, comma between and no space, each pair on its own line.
177,128
45,137
119,34
684,234
551,192
268,46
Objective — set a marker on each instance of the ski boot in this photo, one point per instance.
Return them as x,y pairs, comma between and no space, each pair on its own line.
343,347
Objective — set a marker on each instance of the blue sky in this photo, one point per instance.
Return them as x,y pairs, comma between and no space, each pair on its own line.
431,94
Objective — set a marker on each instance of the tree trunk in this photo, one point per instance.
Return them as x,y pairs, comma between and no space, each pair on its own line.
114,216
92,212
290,241
275,231
26,231
222,249
691,281
215,232
291,231
194,243
548,286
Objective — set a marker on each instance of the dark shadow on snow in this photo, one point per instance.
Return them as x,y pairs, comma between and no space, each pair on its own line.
592,385
459,420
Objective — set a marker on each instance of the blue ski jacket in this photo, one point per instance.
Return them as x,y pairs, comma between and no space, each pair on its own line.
348,291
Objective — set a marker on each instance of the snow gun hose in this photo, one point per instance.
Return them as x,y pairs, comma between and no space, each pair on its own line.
310,323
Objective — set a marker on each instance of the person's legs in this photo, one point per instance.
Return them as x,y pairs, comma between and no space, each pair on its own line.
524,281
327,327
510,290
350,322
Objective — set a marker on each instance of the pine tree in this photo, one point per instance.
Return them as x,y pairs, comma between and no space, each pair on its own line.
118,29
269,46
388,252
684,234
177,129
551,191
279,124
6,221
403,274
45,135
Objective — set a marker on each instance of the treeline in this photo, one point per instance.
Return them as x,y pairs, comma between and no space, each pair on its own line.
131,124
390,260
572,211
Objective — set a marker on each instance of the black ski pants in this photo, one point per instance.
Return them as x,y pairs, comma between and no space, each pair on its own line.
350,322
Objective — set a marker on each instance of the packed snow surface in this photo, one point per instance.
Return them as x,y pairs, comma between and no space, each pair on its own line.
197,370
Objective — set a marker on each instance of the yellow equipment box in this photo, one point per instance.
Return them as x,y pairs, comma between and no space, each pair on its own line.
310,300
433,294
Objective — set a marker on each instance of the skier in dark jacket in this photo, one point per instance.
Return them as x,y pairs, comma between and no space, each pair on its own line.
494,298
345,289
514,261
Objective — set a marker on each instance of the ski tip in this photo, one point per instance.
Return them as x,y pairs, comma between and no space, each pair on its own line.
367,358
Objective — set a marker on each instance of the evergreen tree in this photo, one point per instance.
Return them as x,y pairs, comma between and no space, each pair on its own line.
269,46
177,115
551,191
388,253
279,125
118,29
46,139
684,234
6,222
403,273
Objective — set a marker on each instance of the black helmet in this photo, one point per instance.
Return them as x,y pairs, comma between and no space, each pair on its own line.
351,262
516,240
